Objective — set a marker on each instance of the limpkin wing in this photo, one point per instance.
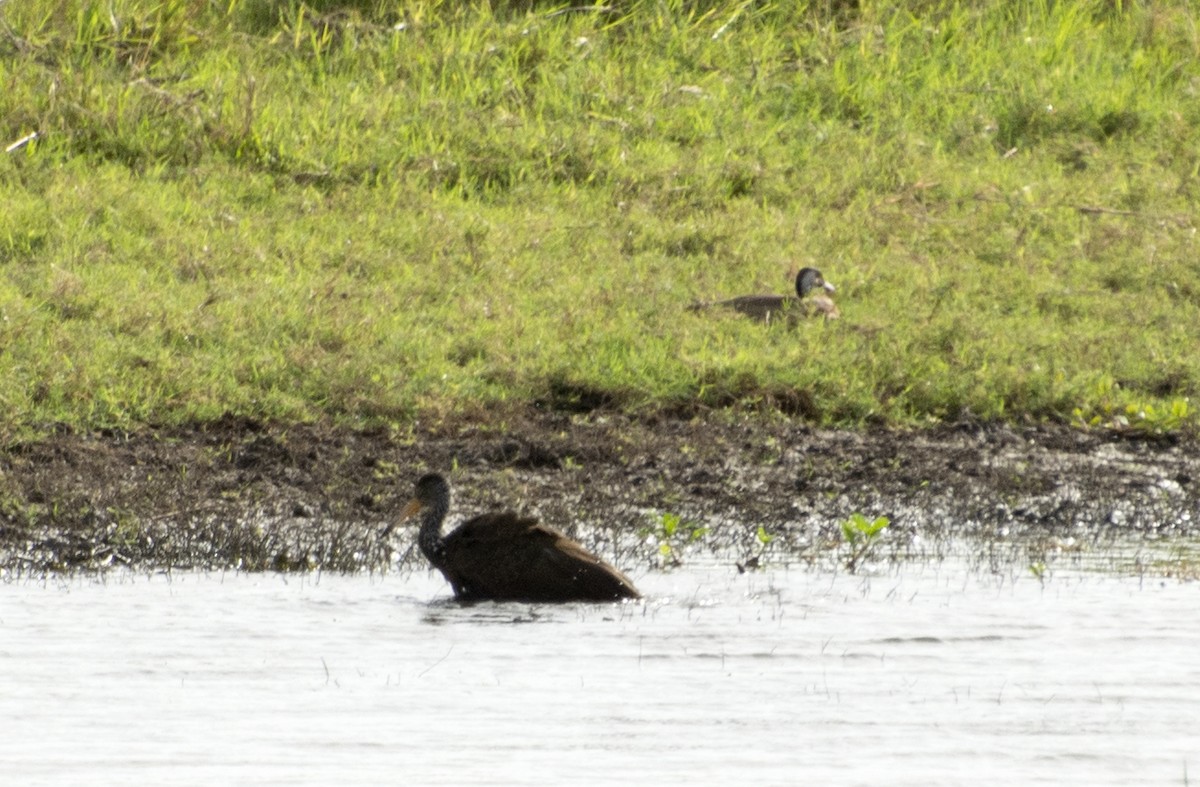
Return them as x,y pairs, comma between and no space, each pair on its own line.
507,557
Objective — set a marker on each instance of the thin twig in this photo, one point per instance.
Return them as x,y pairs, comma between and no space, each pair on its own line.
595,9
1098,210
22,142
421,674
182,512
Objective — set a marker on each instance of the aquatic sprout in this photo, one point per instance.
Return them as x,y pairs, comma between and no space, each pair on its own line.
672,533
862,535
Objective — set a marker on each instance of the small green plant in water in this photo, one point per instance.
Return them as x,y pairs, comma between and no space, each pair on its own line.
672,533
862,535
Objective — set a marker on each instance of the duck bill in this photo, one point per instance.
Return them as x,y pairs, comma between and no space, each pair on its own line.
829,287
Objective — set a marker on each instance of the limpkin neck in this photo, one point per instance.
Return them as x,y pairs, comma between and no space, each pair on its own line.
430,537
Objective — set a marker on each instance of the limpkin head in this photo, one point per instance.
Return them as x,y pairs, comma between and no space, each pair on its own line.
809,279
432,491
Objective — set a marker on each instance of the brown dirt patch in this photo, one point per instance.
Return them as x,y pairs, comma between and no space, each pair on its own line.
246,495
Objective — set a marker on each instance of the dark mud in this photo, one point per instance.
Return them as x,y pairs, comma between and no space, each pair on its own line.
239,494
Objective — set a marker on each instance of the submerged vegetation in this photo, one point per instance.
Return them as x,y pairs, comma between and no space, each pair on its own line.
383,212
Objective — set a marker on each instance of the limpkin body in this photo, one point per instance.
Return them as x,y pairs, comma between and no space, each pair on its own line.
508,557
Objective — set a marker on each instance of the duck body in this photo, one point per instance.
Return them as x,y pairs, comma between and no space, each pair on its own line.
508,557
788,308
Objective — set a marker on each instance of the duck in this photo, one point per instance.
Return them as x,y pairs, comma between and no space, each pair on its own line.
791,308
509,557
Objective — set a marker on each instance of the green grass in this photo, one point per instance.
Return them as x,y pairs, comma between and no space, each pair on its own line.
386,211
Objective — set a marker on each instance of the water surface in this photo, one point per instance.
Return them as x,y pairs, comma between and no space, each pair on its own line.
929,674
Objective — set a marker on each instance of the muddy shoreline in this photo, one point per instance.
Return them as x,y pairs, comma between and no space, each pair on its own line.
252,496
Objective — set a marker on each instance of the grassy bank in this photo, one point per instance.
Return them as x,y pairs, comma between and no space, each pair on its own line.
387,211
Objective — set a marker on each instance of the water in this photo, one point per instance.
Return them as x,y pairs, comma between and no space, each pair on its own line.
934,674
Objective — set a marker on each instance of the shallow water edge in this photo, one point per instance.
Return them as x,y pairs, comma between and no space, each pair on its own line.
239,494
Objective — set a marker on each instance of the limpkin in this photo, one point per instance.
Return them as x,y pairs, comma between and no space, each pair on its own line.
508,557
790,307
